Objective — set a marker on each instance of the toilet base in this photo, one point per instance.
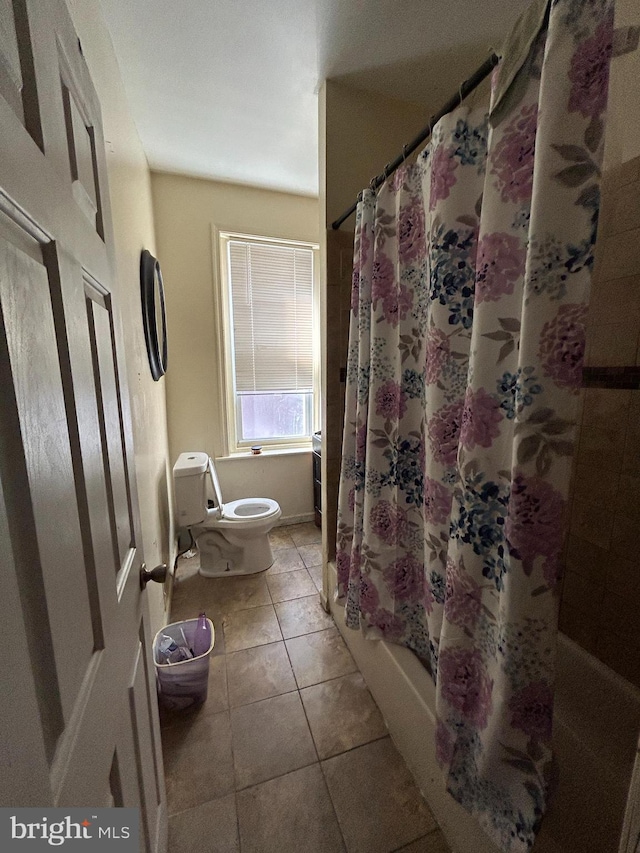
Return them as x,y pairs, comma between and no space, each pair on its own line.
220,558
223,572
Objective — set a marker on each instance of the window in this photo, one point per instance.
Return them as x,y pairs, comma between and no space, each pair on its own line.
269,310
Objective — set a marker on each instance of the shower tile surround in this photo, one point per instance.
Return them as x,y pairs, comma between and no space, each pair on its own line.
601,592
261,761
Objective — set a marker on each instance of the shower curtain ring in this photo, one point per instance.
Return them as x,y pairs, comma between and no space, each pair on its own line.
404,153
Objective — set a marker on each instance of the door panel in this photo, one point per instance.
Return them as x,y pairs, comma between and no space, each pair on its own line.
17,73
24,765
100,325
81,706
82,156
10,72
83,420
35,373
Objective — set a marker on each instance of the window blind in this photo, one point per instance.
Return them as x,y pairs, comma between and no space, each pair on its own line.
271,290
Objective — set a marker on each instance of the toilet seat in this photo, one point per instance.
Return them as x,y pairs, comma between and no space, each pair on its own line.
249,509
245,513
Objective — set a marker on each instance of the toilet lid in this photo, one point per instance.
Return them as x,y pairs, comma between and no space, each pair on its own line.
215,483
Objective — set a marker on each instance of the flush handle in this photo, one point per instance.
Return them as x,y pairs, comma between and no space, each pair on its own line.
159,574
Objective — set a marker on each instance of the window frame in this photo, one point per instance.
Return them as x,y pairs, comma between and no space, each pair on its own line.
226,361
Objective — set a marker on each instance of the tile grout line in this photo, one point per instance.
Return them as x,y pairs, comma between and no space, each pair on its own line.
297,690
235,800
233,761
295,677
433,831
313,740
319,761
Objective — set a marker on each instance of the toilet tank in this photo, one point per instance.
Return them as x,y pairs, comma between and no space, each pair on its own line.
190,486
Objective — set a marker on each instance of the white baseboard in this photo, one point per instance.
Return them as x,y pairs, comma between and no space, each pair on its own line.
295,519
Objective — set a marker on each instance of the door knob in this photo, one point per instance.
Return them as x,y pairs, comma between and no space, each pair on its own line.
159,574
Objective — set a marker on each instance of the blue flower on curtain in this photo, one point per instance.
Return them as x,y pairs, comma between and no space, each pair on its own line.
452,281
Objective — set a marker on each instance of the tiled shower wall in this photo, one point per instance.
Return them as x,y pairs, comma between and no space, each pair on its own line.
601,595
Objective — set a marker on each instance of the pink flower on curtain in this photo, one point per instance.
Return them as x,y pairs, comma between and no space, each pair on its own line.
391,403
437,502
512,159
369,598
382,277
589,72
437,354
411,237
532,710
443,166
466,685
480,418
388,522
405,578
501,261
444,431
389,624
562,343
463,596
397,304
444,744
534,522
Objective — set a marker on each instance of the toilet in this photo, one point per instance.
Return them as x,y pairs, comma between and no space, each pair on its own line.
232,538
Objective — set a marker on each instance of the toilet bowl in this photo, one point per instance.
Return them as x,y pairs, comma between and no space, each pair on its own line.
232,538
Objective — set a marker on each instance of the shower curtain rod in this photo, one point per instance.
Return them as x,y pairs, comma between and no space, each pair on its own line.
455,100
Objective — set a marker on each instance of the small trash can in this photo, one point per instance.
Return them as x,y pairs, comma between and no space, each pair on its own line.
184,683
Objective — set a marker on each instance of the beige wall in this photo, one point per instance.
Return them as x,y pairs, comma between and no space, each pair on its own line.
186,210
132,213
362,132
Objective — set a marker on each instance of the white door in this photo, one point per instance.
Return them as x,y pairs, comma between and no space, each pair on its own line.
78,715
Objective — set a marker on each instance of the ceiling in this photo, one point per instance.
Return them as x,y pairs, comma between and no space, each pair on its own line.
227,89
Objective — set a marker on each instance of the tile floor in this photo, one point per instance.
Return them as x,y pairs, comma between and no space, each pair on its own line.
289,754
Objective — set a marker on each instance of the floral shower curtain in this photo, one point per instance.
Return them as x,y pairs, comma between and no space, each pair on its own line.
471,278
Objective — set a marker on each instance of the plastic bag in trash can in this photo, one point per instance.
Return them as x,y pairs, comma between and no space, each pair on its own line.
184,683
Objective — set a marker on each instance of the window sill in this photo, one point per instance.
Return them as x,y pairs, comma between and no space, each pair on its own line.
275,451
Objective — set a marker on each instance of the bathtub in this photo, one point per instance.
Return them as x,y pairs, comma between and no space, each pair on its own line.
596,727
